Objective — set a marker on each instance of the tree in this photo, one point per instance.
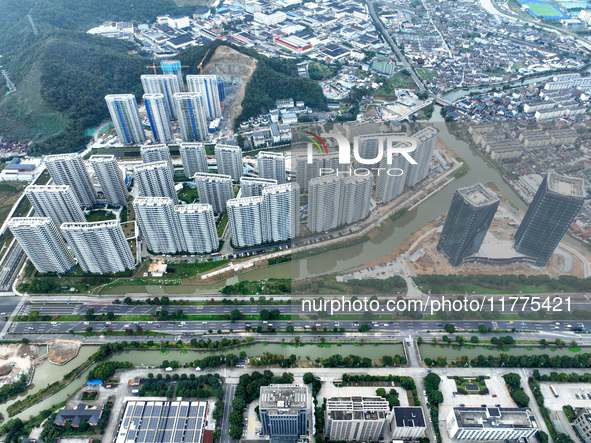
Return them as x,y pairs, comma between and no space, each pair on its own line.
110,316
364,328
449,328
265,315
83,427
289,329
89,315
513,380
474,339
520,398
309,378
236,315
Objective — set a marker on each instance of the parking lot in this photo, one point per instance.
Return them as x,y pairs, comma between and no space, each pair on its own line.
567,395
253,425
496,387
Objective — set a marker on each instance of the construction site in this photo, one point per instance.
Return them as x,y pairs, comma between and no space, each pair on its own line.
17,360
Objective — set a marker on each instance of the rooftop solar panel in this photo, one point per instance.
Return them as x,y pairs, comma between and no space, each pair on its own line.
162,422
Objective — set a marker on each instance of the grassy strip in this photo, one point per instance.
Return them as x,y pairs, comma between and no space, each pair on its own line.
335,247
186,317
222,225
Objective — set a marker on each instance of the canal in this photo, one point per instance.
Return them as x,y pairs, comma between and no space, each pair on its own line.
48,373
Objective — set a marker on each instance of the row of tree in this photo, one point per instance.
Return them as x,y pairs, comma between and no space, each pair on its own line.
518,361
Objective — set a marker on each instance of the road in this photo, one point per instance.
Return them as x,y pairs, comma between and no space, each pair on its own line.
195,329
401,58
11,266
229,391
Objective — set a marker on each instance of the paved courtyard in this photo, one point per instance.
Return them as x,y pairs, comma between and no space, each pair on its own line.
567,395
495,384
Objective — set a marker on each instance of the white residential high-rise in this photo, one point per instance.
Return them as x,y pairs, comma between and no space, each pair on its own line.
215,189
156,153
207,86
246,218
369,146
194,158
167,85
355,198
56,202
426,139
253,186
229,160
281,204
99,247
197,225
155,180
324,197
304,171
158,117
68,169
42,243
271,165
388,184
191,116
156,219
335,200
173,67
111,179
126,118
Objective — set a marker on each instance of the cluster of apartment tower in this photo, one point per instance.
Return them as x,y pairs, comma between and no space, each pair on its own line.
266,209
165,100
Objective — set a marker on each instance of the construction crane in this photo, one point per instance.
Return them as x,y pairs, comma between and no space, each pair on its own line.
153,66
200,65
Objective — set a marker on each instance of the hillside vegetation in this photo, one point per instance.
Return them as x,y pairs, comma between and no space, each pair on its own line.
273,79
62,74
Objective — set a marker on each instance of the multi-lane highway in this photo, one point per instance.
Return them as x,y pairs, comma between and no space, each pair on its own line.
198,328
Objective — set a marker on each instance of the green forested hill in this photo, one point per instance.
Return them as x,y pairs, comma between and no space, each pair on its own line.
62,74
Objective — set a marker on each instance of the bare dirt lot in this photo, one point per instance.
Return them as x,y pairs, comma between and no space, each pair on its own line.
60,352
17,359
235,69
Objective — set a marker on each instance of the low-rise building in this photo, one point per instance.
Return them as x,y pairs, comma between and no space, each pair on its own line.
407,422
490,424
77,415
